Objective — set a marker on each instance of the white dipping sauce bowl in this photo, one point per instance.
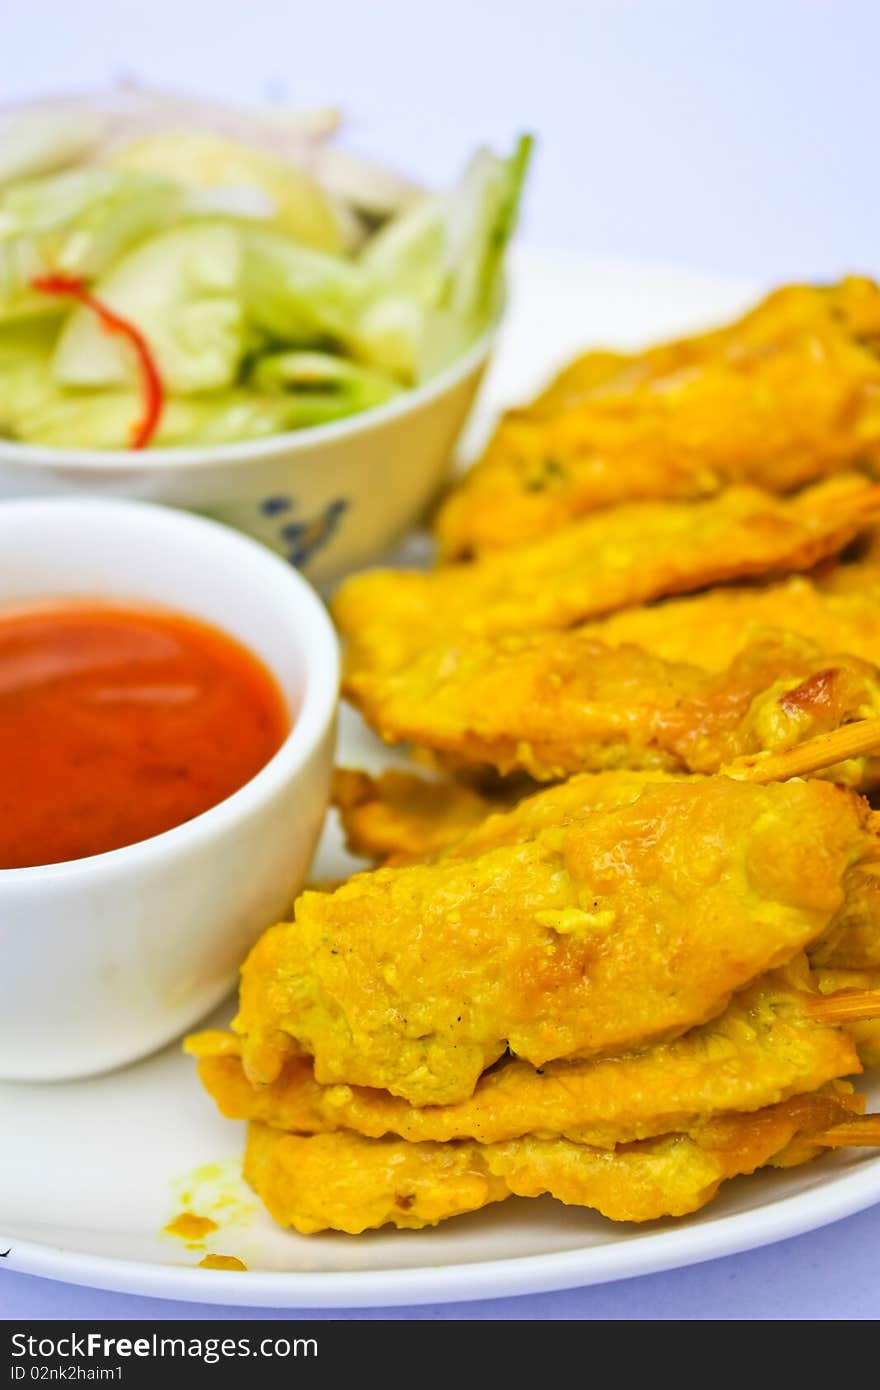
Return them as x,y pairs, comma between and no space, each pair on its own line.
329,498
105,959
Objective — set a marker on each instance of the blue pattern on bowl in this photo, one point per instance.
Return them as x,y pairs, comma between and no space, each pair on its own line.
301,540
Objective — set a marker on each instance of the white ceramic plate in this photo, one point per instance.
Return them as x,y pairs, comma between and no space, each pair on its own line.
91,1171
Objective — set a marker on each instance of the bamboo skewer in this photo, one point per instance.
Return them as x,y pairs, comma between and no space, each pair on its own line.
863,1131
846,1006
854,740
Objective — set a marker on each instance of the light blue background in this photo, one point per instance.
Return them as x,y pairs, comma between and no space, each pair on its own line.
737,136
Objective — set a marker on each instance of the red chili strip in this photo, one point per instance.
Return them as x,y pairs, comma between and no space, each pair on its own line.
151,383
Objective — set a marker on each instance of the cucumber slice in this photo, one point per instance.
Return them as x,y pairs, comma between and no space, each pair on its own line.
76,223
319,386
62,419
202,159
182,289
408,252
444,254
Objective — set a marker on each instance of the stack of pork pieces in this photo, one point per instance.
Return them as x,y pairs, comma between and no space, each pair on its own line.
622,939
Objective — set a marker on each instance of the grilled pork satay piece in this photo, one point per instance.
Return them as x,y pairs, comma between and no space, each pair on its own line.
853,305
597,565
406,828
851,942
401,818
344,1182
607,933
709,629
555,703
786,396
766,1046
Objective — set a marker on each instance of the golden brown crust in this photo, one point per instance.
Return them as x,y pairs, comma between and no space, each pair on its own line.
850,942
344,1182
711,628
781,398
556,703
556,806
404,818
764,1048
341,1182
621,928
401,818
597,565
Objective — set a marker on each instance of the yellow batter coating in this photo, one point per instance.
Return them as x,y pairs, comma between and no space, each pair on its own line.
401,818
341,1182
409,823
785,396
344,1182
853,306
602,563
709,629
555,703
850,942
624,927
764,1048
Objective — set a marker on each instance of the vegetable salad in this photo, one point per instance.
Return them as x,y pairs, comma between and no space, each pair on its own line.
164,283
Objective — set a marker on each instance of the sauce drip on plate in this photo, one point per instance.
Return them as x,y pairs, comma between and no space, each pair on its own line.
118,723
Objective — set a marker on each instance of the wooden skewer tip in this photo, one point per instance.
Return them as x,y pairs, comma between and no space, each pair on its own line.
846,1006
854,740
861,1132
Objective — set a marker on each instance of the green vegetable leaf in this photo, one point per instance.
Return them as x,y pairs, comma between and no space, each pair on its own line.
182,289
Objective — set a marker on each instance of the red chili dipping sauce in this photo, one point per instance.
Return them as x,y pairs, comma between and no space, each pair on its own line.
117,723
